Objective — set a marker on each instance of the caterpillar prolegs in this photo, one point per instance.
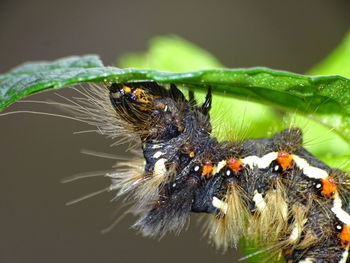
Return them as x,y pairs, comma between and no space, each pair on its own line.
270,190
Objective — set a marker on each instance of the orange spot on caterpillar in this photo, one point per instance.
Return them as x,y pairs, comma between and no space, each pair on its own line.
207,169
191,154
285,160
345,236
329,186
234,164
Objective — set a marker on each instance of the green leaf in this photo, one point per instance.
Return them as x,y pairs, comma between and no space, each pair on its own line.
308,95
87,61
36,76
285,90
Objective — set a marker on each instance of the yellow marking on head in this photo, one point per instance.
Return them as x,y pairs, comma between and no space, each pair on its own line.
126,89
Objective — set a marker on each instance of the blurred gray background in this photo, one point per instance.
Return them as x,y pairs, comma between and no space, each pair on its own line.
38,151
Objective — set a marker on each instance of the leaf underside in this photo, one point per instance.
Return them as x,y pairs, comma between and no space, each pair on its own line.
327,98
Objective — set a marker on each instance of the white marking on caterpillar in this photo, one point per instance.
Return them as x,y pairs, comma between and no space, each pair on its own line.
300,162
159,167
157,154
260,162
196,168
307,260
220,165
251,161
338,211
344,255
156,146
259,201
228,172
296,232
314,172
267,159
318,185
223,206
338,227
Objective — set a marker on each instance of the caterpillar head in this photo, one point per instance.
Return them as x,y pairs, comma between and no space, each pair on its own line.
156,113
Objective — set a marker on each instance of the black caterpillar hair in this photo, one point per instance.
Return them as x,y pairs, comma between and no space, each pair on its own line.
270,191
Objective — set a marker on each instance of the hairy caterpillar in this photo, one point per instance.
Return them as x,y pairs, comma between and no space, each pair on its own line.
269,190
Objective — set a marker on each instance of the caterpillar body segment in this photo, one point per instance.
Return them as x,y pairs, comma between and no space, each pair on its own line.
270,190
